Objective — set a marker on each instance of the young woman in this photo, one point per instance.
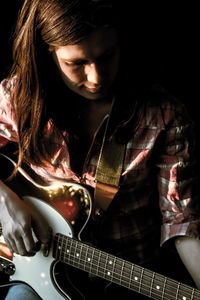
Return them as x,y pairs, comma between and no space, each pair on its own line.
67,99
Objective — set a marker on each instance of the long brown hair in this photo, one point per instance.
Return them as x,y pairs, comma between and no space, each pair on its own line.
42,24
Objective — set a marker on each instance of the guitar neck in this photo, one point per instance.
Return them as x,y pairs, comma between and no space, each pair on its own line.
119,271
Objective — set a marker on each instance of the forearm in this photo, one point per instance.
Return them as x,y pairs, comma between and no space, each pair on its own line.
189,251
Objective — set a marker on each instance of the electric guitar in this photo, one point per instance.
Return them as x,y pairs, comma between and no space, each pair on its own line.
40,272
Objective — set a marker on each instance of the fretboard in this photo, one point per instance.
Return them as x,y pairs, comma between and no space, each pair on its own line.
131,276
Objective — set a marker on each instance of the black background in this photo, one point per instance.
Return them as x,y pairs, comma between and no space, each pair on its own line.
164,38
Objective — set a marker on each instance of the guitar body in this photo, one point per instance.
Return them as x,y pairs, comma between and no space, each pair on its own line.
50,278
45,274
39,271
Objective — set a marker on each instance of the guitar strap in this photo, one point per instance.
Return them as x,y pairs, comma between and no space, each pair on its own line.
109,169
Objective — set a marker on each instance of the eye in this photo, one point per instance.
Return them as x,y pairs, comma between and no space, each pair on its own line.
77,63
108,55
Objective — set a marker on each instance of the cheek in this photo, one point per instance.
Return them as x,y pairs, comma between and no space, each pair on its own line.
117,61
113,65
70,75
113,69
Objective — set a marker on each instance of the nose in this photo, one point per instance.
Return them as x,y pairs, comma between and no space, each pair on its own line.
93,73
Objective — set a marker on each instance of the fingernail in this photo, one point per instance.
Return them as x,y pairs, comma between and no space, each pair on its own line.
45,250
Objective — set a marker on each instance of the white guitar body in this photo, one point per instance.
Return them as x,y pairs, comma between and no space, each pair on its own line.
38,270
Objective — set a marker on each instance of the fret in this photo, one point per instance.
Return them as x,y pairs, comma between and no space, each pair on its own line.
131,277
96,270
117,270
151,284
84,257
56,246
106,272
75,253
109,270
62,248
135,278
192,296
159,286
78,255
163,290
187,293
99,264
126,274
177,291
88,258
121,272
140,282
71,253
60,245
170,288
114,267
92,260
196,294
146,282
102,265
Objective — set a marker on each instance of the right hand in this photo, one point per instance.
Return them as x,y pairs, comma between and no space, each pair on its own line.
19,222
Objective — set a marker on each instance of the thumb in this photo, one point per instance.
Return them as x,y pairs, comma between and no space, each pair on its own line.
45,238
42,231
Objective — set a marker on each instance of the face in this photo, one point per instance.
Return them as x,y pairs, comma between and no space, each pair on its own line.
89,68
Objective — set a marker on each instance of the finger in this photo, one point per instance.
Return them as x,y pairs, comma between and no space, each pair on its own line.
42,232
21,249
29,242
5,251
7,244
46,241
45,249
11,245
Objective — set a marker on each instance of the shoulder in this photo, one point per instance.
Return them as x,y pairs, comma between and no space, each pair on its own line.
163,108
7,109
6,89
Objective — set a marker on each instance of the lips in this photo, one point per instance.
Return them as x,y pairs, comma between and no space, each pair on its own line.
94,90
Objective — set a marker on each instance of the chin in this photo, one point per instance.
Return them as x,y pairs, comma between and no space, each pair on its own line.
92,96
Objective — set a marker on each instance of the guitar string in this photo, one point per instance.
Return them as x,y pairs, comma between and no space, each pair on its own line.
111,256
143,287
101,270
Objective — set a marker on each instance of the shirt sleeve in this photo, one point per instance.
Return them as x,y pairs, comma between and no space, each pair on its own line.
177,179
8,128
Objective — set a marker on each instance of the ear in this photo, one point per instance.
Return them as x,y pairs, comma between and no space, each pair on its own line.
51,48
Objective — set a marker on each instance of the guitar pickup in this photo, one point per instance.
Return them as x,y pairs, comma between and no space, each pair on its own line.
6,266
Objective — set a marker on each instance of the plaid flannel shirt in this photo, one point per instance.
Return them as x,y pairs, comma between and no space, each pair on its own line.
158,195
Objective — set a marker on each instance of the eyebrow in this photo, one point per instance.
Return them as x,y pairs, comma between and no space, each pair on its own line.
79,60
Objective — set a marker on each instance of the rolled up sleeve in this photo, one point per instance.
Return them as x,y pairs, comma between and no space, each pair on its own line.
177,178
8,128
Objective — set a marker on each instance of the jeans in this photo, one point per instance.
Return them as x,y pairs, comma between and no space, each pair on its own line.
19,292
